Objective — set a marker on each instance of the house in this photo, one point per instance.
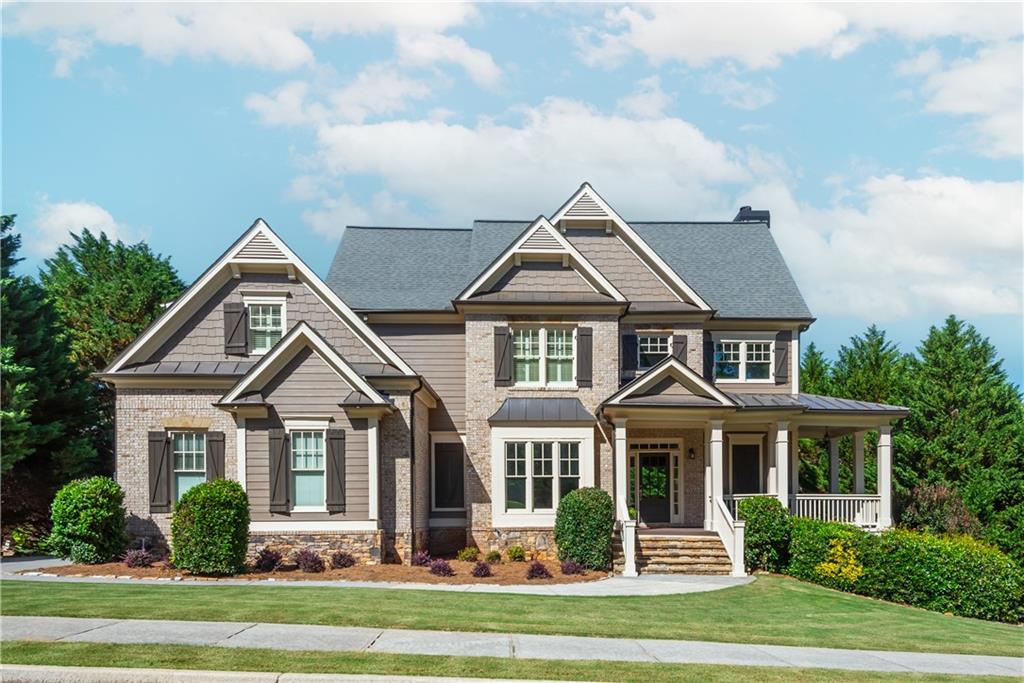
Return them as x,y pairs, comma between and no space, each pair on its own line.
446,387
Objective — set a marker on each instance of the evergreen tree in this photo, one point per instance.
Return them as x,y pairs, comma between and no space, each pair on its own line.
815,372
871,368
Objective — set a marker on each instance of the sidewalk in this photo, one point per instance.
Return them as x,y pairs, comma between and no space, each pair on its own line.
462,644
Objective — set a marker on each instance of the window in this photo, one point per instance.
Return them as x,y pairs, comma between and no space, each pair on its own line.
651,349
543,355
743,361
448,476
189,451
266,326
308,479
541,488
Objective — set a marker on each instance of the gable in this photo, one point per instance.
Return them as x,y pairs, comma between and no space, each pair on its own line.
546,276
306,382
670,382
618,263
260,248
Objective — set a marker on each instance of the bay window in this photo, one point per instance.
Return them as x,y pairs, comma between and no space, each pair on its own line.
743,361
543,355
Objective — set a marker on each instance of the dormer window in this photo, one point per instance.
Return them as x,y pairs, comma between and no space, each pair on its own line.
743,361
266,323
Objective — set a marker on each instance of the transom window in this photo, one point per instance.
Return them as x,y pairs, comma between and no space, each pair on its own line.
189,452
308,477
538,474
651,349
743,360
542,355
266,326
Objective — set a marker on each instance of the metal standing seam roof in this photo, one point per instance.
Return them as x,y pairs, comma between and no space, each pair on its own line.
541,410
216,368
813,403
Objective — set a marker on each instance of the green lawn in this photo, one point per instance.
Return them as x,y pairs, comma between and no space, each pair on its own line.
232,659
770,610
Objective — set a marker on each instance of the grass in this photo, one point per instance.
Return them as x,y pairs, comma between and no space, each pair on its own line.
771,610
232,659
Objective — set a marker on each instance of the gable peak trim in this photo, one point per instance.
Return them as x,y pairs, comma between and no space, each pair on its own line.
670,367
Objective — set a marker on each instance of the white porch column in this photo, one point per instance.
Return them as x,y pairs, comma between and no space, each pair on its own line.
782,462
833,465
621,471
794,462
373,473
774,463
717,465
885,476
858,462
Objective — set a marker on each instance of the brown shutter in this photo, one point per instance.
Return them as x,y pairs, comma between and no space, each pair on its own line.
585,357
782,344
709,357
679,347
236,329
629,352
279,471
336,470
214,455
502,357
161,491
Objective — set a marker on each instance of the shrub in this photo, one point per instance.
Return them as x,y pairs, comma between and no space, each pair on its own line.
468,554
138,558
441,567
342,560
516,553
493,557
420,558
811,544
937,509
210,528
1006,530
267,560
766,534
309,561
537,570
28,539
481,570
88,521
584,524
570,567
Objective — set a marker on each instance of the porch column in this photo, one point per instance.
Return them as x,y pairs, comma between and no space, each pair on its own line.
772,483
794,462
717,466
858,462
782,462
373,467
885,476
833,465
621,471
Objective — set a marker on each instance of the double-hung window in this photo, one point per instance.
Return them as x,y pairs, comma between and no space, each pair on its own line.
189,452
544,355
308,476
266,324
538,474
651,349
743,361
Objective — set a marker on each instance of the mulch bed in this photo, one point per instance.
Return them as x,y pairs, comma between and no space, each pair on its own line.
504,574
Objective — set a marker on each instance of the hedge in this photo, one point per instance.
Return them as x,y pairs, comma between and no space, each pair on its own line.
210,528
766,546
88,521
584,524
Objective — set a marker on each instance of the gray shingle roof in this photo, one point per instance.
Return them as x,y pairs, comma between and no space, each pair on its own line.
736,267
541,410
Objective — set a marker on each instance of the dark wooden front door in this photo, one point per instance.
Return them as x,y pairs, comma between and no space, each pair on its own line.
746,474
654,488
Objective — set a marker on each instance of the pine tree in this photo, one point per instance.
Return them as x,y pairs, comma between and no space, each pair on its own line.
815,372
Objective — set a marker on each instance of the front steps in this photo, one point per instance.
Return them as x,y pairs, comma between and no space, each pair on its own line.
676,554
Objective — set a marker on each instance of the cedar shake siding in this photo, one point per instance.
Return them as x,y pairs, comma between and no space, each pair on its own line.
620,265
438,352
201,338
306,386
542,276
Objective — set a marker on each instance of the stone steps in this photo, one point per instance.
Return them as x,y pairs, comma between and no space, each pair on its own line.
669,554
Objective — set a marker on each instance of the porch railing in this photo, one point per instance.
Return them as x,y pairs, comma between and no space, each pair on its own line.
732,532
732,500
859,509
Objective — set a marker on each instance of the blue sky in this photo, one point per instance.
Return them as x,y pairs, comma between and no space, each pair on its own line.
886,139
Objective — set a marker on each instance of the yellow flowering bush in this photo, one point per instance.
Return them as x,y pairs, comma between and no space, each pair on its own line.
841,566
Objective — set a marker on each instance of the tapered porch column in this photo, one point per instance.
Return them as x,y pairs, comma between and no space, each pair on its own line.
782,462
717,465
621,471
885,476
833,465
858,462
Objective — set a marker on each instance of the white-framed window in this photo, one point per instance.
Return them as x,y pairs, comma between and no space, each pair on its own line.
531,467
266,323
544,356
744,360
188,450
652,348
308,459
447,489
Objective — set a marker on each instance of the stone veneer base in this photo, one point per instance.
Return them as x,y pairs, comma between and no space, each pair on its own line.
365,546
537,542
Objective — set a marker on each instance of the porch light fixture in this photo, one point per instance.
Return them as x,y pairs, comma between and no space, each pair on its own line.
690,454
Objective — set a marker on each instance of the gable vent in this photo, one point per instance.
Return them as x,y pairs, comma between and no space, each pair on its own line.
541,240
585,207
260,248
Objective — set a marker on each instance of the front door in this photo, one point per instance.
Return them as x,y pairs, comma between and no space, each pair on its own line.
654,488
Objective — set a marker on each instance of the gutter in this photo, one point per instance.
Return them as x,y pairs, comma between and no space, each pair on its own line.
412,461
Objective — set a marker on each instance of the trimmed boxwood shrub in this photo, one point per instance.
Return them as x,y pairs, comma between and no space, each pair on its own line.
766,536
210,528
516,553
88,521
584,525
813,544
468,554
493,557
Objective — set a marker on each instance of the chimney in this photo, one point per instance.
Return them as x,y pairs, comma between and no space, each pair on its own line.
748,215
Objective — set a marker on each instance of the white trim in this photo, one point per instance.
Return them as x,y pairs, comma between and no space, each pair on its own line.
294,424
666,368
675,449
747,440
794,362
668,336
542,341
373,466
743,338
264,300
240,450
298,525
441,437
650,256
500,517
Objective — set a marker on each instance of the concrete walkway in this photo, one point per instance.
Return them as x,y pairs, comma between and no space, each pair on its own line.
649,584
462,644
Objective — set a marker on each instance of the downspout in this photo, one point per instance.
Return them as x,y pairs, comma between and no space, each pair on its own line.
412,461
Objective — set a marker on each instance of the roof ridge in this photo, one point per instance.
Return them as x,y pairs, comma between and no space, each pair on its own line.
697,222
406,227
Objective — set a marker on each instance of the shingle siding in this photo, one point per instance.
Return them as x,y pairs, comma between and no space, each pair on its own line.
620,265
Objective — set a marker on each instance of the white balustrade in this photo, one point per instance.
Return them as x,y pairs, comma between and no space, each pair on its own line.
861,510
732,501
732,533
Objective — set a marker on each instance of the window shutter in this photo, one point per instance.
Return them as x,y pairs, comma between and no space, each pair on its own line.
585,357
279,471
629,352
236,329
782,345
160,488
679,347
709,357
335,470
214,455
502,357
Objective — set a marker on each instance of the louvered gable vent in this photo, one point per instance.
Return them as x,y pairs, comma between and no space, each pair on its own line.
260,248
542,240
586,207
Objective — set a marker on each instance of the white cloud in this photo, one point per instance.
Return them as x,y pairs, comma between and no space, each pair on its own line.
337,212
424,49
647,101
739,93
68,51
286,106
922,63
55,221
